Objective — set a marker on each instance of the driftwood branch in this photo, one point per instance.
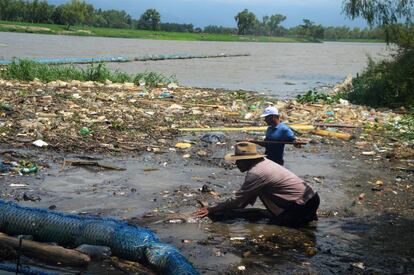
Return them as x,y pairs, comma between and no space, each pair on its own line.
49,253
131,267
91,163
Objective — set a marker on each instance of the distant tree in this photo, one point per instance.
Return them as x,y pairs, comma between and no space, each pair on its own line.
76,12
318,32
246,21
12,10
114,18
310,30
70,17
274,23
150,20
57,15
38,12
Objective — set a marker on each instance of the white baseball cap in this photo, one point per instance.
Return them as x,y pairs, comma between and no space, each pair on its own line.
269,111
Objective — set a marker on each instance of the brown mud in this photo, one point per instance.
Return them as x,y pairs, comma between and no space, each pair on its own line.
365,218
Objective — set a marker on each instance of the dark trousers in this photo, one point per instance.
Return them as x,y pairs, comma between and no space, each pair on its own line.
295,216
298,215
280,162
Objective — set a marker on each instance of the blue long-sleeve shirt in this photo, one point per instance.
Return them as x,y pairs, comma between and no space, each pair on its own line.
281,132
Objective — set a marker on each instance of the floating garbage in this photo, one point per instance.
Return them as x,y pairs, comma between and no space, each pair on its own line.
85,131
213,137
30,170
40,143
166,95
182,145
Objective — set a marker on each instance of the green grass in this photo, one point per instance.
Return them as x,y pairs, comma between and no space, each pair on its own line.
11,26
29,70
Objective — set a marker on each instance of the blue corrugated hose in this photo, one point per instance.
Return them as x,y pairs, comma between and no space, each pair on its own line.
125,240
26,270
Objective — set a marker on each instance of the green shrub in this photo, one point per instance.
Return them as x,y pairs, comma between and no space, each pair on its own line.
386,83
153,79
99,72
313,96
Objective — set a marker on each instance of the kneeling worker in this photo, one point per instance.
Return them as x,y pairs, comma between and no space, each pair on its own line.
289,199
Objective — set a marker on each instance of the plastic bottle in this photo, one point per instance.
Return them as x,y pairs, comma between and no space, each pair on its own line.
84,131
30,170
165,95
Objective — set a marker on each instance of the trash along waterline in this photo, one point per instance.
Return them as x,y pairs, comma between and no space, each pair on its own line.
152,107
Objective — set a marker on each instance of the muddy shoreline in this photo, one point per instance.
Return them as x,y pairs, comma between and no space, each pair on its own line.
366,213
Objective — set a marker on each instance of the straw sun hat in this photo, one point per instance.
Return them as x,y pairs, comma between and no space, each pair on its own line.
244,150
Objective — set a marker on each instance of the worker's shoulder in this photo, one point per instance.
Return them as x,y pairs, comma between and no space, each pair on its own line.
283,125
262,167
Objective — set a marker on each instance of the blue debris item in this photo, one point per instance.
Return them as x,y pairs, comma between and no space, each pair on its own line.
125,241
166,95
213,137
26,270
4,168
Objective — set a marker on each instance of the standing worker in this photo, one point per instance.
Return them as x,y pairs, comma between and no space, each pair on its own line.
277,131
289,200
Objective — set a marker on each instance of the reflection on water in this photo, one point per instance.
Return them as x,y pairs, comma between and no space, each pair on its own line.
278,69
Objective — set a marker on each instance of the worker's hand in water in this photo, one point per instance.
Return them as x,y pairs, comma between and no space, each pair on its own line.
201,213
297,145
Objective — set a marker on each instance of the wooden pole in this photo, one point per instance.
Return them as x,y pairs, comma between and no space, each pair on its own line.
46,252
260,142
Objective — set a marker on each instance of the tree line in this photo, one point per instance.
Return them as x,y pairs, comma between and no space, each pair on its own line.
78,12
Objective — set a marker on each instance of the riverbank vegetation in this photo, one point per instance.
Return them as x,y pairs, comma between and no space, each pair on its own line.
27,70
387,83
25,27
79,18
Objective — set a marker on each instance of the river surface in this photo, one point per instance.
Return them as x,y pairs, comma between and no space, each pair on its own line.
282,70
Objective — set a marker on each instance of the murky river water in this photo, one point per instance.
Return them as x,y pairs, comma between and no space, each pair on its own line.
279,69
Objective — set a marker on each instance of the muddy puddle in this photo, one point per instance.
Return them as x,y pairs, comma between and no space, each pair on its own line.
354,235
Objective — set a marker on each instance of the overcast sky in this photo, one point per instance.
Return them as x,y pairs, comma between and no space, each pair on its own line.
221,12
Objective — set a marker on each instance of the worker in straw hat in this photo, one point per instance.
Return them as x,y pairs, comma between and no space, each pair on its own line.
289,200
277,131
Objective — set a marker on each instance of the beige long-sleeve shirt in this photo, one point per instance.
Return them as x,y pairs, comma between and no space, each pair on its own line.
277,187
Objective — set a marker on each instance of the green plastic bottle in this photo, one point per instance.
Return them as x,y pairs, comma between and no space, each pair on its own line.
30,170
85,131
